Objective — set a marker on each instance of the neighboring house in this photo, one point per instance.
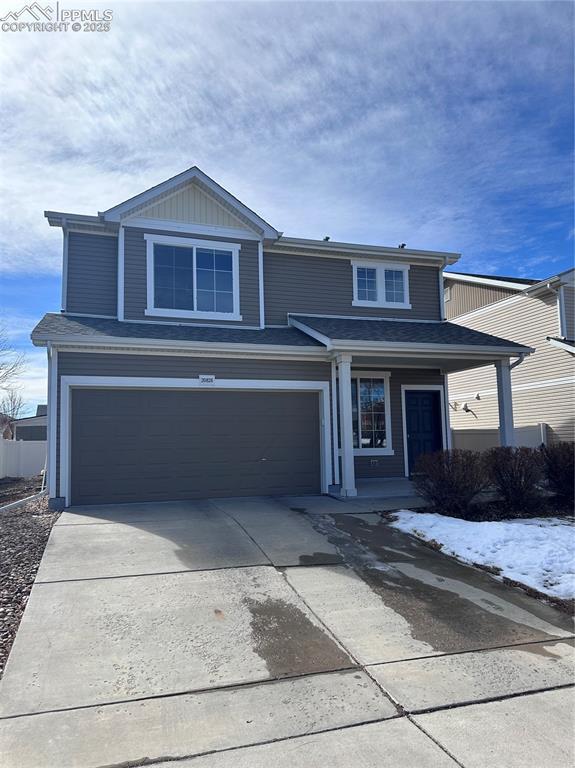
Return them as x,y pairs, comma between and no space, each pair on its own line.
200,352
32,427
537,313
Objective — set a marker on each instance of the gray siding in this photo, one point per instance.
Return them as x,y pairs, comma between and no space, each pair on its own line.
317,285
30,433
135,295
465,297
393,466
164,366
92,274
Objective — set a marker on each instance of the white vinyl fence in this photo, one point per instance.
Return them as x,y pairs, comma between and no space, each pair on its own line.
482,439
22,458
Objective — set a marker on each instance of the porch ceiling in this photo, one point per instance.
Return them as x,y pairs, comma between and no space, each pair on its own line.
435,363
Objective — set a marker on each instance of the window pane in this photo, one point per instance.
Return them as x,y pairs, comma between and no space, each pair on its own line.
204,258
164,298
223,260
215,280
366,284
173,277
354,413
183,258
163,277
373,426
394,287
224,281
184,299
206,301
184,278
224,302
205,280
163,255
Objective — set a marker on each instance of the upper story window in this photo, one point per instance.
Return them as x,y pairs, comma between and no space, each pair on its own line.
447,293
381,285
192,278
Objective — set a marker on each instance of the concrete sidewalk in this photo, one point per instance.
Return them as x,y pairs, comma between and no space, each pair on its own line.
298,631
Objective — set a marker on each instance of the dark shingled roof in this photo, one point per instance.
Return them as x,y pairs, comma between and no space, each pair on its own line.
407,332
55,325
520,280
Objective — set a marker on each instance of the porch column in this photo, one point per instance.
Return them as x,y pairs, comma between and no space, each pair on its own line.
505,402
346,427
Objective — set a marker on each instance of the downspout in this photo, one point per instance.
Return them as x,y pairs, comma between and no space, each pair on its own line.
442,291
64,265
519,360
562,320
261,283
120,266
334,423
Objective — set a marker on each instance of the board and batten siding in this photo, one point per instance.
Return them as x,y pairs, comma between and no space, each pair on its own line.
537,397
394,466
135,276
92,275
324,286
465,297
181,366
192,205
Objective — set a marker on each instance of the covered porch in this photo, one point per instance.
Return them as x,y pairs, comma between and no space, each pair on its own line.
389,395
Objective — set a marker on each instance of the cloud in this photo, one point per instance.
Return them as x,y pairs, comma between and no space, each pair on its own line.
33,383
440,125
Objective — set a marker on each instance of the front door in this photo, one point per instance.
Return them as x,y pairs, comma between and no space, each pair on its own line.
423,423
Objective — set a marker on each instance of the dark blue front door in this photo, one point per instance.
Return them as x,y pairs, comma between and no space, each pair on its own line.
423,423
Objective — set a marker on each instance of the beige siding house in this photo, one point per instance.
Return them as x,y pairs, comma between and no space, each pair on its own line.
538,314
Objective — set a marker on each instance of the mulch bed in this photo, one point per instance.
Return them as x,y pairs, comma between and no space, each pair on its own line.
16,488
23,535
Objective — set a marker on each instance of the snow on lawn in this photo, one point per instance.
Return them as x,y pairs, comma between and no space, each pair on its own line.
538,552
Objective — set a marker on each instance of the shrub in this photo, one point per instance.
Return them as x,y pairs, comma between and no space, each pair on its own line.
450,481
515,474
559,469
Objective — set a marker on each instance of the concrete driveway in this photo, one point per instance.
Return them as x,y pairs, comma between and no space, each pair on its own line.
293,631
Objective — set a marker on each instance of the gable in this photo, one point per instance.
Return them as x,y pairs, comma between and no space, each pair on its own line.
192,205
203,202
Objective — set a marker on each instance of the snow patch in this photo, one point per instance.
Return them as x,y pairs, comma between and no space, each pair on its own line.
538,552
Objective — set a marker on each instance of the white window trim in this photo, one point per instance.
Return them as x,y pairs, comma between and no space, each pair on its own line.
380,267
386,376
68,383
186,242
444,416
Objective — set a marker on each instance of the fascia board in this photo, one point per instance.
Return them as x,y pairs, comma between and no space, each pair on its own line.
200,346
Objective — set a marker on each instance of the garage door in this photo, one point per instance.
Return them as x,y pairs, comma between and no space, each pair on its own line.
160,445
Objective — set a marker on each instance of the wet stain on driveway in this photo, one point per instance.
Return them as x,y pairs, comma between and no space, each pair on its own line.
449,606
289,642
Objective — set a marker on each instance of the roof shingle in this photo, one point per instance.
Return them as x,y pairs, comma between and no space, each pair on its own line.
398,331
56,325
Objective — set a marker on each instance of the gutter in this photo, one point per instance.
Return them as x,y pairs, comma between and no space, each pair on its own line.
173,345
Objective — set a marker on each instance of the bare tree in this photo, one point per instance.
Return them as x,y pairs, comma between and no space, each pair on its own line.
12,405
11,361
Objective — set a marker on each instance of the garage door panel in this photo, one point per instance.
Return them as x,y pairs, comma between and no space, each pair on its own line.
152,445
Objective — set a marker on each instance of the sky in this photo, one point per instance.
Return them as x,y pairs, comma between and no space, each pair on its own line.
443,125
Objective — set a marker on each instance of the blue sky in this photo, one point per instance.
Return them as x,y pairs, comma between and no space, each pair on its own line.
444,125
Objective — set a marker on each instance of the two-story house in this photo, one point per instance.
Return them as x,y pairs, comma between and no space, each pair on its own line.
537,313
199,352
